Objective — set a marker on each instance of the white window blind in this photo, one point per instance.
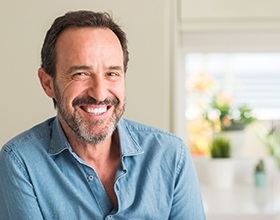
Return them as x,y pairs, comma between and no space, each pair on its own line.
252,78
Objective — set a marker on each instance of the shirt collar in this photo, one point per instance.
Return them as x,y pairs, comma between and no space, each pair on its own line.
129,147
59,142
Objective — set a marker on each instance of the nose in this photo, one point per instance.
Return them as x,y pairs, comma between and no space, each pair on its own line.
97,88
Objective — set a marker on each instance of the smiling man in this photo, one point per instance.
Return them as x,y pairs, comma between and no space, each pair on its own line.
88,162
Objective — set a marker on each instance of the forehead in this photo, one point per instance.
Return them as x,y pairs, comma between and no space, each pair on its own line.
88,44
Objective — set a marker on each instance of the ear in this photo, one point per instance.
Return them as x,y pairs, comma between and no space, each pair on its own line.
46,82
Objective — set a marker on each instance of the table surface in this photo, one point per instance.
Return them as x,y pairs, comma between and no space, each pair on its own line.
243,200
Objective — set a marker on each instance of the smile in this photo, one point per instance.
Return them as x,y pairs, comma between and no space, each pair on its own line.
94,110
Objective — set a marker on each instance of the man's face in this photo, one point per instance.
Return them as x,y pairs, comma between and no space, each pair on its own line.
89,85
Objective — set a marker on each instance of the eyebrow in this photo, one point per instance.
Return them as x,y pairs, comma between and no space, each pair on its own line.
115,68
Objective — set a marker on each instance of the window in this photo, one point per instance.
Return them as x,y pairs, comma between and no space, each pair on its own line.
245,62
251,78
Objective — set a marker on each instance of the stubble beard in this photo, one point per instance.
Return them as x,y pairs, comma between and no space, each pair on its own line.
89,130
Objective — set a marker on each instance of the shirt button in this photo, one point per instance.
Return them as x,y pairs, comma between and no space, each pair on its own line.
90,178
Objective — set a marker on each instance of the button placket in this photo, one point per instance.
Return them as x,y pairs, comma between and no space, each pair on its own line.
97,189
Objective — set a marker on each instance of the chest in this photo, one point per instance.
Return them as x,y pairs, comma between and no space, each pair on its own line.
107,178
68,189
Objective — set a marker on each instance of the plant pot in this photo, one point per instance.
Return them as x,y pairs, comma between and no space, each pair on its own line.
220,172
260,179
236,139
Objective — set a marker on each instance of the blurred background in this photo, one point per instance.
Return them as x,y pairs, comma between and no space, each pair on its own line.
204,70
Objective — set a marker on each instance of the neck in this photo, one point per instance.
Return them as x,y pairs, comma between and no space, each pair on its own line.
106,150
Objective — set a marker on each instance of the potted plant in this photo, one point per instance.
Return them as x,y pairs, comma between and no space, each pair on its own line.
270,137
220,148
260,174
220,171
228,120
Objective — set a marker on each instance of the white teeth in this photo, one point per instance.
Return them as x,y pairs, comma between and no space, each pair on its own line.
97,111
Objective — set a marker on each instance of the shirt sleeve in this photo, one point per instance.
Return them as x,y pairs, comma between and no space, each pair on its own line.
17,198
187,202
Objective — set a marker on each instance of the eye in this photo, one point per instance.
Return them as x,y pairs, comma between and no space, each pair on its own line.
79,75
112,74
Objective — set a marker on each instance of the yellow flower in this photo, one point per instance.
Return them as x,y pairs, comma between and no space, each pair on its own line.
201,82
201,136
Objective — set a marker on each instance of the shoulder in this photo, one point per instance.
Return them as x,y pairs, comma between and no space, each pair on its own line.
29,138
159,147
151,137
140,128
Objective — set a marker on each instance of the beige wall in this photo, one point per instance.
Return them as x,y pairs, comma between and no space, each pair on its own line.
23,25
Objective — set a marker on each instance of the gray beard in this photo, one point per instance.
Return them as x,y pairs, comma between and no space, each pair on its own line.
83,129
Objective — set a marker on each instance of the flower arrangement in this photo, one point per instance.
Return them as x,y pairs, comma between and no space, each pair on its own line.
224,117
215,112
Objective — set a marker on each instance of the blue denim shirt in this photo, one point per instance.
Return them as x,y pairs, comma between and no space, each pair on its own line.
42,178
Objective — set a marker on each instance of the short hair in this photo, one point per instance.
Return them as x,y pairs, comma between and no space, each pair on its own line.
78,19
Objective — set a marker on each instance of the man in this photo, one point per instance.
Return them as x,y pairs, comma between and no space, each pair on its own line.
88,162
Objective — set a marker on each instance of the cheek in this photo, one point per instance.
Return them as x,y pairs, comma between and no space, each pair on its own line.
66,95
120,92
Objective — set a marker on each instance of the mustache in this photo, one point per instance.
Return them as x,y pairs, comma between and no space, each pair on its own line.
87,100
